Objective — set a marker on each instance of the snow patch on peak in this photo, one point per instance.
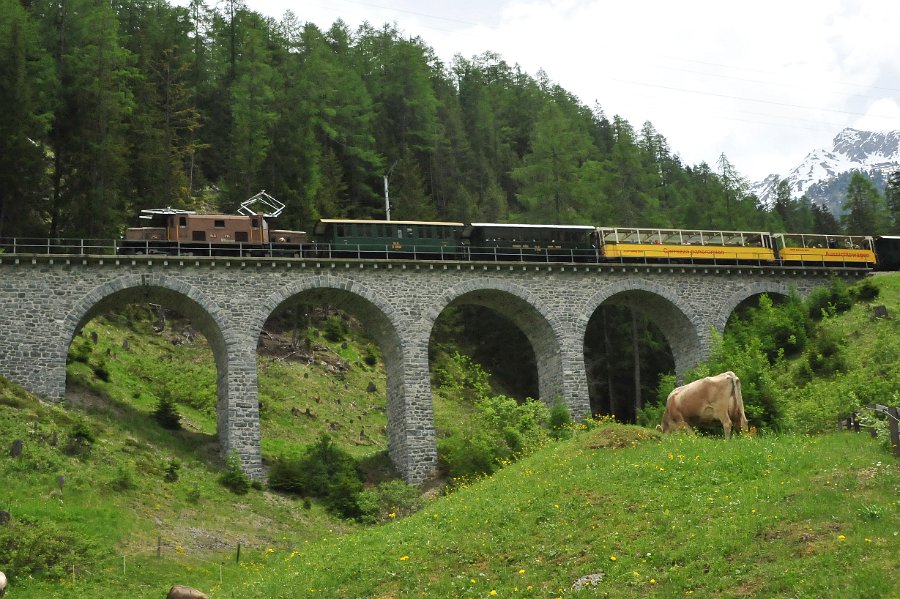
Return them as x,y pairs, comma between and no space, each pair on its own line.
875,153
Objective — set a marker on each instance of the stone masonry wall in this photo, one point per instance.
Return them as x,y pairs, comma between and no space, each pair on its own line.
45,300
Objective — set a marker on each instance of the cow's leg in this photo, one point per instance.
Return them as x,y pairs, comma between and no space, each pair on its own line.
726,427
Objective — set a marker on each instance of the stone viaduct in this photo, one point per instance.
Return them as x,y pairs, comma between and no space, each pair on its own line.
45,300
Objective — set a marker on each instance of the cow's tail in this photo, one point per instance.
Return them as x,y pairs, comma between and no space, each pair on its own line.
738,402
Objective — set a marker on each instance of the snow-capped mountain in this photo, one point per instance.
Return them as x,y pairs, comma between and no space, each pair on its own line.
823,175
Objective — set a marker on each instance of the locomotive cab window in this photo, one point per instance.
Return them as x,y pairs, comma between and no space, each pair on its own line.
254,222
182,221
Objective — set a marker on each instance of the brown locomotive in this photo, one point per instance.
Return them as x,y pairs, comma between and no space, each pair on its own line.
185,232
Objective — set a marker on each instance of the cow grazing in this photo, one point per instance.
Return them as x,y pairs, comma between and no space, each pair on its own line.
180,591
711,399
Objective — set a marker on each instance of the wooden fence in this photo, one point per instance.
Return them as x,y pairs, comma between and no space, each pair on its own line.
892,413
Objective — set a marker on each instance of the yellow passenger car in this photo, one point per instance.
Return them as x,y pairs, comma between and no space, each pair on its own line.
681,245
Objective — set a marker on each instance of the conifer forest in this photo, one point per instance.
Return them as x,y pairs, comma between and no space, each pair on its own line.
112,107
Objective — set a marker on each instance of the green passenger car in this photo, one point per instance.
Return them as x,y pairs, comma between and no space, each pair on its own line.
385,239
514,242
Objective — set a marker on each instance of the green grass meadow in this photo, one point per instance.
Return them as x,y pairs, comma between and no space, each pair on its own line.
104,502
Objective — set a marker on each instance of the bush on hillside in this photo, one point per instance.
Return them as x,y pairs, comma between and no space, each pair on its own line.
390,499
233,477
166,413
559,420
335,328
463,377
781,330
864,291
825,356
81,440
325,471
41,548
507,429
833,299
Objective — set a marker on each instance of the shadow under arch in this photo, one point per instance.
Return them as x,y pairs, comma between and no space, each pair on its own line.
522,309
683,330
408,402
172,293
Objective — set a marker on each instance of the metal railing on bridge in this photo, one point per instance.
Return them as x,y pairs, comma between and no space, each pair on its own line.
465,253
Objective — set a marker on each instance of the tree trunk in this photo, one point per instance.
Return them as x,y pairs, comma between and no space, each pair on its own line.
637,363
608,350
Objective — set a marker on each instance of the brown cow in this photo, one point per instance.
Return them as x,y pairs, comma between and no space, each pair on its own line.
180,591
706,400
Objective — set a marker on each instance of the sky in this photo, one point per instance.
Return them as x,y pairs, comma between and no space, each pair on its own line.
762,81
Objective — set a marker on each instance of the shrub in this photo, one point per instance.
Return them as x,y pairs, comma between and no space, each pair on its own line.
864,291
233,477
464,455
388,500
506,429
42,549
324,471
166,413
833,299
124,479
81,440
371,357
171,471
651,414
101,371
464,377
335,328
560,419
80,351
825,355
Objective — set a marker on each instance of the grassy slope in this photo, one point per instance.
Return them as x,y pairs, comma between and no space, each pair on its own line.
764,518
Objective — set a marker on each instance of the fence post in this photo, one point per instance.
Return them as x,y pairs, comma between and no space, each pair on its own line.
238,557
893,414
158,546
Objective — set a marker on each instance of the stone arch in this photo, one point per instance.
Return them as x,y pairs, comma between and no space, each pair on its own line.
683,328
742,294
210,320
524,310
411,440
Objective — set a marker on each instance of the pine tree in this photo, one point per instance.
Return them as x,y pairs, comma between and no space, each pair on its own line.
866,213
549,176
88,134
26,78
892,195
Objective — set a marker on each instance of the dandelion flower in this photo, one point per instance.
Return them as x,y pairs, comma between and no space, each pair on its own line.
841,537
612,558
522,571
403,558
492,593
